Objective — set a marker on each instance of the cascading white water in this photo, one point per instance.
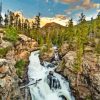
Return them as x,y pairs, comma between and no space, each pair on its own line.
40,90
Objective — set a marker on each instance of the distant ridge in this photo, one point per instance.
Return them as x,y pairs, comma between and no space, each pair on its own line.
52,25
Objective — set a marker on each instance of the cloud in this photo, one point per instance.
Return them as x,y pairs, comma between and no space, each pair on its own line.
97,5
78,15
88,4
68,12
91,16
57,19
66,1
62,17
82,5
98,10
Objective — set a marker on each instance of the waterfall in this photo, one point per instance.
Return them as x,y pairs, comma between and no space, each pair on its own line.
47,84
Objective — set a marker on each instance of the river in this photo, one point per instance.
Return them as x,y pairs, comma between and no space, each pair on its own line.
46,84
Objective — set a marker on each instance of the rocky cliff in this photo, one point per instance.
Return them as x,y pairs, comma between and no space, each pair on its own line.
10,54
86,85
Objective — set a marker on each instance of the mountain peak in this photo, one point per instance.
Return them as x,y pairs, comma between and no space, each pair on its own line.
52,25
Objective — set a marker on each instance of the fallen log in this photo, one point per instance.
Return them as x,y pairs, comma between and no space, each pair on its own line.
29,84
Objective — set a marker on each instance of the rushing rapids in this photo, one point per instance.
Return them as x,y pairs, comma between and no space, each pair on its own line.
45,84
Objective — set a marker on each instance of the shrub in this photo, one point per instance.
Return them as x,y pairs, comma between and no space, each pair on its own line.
20,65
11,34
3,52
97,49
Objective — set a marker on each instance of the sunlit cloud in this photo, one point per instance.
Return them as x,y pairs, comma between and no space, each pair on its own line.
67,1
83,5
98,10
68,12
88,4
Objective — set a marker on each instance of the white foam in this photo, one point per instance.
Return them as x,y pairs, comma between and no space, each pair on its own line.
41,90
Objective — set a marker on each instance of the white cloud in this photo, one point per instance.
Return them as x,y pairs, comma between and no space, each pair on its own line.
83,5
98,10
67,1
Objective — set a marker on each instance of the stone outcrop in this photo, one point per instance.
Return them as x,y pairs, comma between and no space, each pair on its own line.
9,87
24,47
46,55
88,87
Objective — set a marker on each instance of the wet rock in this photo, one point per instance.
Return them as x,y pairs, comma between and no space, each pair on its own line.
53,81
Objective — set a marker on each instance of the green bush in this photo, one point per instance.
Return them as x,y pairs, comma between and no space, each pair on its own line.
20,65
11,34
97,49
88,98
3,52
77,68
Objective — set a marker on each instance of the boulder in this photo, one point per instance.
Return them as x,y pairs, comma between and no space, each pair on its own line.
8,81
23,55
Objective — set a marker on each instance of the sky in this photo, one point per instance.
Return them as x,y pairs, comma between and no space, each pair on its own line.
51,8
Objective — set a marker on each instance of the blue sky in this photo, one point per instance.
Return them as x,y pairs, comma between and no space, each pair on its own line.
50,8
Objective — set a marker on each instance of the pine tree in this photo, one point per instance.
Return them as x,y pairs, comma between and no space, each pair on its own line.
33,25
19,24
11,18
97,49
1,19
6,20
37,21
48,41
98,16
16,20
70,23
26,24
22,24
82,18
97,26
70,33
